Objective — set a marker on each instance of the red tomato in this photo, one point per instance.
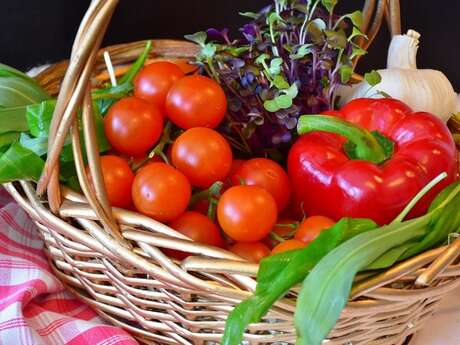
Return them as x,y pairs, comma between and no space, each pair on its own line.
161,192
203,155
196,101
154,81
118,180
198,228
311,227
287,246
251,251
267,174
246,213
133,126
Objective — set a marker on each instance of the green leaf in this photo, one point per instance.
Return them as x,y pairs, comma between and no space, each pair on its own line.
198,37
315,30
283,101
273,17
128,77
302,51
39,117
357,51
13,119
325,291
336,39
261,59
373,78
390,257
356,18
329,5
356,33
280,82
388,145
275,66
271,106
39,146
252,15
236,51
292,92
16,91
278,273
346,71
209,50
8,138
19,163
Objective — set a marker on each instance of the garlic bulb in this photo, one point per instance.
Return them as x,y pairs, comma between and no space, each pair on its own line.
422,89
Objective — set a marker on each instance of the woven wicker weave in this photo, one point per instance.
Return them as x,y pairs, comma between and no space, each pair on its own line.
110,257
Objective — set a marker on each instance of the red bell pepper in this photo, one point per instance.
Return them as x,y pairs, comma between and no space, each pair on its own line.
341,167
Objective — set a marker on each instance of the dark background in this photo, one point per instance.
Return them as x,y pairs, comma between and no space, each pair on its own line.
33,32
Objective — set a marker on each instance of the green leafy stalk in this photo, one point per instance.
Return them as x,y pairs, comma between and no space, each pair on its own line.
278,273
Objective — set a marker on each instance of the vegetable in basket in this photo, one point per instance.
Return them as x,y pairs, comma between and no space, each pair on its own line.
369,159
421,89
289,61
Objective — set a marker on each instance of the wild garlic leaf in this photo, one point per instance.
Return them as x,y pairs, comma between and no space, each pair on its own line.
373,78
128,77
198,37
39,117
15,91
8,138
39,146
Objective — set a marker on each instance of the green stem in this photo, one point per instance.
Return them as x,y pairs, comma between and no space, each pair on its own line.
367,146
213,191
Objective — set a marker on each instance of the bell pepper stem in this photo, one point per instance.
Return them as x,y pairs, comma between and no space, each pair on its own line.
367,146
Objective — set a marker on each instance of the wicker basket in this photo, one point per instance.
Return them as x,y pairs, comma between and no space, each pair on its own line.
110,257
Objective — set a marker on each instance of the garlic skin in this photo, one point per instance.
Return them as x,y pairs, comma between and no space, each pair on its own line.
421,89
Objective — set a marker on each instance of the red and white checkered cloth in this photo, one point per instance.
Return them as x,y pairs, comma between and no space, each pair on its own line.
35,309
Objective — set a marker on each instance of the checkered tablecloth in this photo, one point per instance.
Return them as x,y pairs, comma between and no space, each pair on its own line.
35,309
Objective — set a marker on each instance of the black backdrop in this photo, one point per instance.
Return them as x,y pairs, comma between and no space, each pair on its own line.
33,32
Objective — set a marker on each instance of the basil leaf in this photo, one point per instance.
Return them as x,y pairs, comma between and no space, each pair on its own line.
278,273
39,146
39,117
12,119
19,163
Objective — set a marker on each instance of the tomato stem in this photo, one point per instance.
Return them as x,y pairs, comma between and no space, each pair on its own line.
366,145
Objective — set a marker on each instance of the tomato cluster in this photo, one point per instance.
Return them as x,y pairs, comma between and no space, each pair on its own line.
169,158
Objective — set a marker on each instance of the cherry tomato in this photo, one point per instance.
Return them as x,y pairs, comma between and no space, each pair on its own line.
251,251
283,228
196,101
154,81
287,246
133,126
246,213
311,227
267,174
118,180
203,155
161,192
198,228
